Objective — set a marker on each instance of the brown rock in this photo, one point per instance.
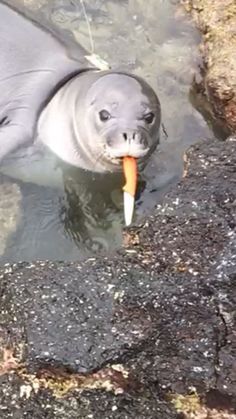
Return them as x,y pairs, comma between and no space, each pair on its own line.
217,21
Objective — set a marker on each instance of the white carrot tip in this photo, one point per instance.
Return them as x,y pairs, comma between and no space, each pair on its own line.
128,208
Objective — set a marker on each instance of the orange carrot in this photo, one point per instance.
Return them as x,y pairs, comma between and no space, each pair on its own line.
131,175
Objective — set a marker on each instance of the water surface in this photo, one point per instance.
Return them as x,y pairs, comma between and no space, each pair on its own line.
82,214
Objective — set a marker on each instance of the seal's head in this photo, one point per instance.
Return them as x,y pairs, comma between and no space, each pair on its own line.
123,114
106,116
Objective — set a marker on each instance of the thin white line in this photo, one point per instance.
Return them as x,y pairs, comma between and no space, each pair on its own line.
89,27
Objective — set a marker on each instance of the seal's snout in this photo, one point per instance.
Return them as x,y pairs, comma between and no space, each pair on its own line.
135,137
128,143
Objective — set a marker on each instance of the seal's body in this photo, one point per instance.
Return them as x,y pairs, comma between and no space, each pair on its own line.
32,64
88,118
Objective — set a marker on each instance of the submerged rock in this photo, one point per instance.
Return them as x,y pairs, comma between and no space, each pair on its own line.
10,212
148,333
216,19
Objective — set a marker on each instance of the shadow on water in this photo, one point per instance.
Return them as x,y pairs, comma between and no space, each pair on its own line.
84,216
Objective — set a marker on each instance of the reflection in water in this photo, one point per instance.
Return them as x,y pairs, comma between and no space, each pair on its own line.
84,215
91,210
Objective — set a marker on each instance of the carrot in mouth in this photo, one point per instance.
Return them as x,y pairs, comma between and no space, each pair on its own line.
131,175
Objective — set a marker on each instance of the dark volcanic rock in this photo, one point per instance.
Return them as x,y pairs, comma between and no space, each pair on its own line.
163,309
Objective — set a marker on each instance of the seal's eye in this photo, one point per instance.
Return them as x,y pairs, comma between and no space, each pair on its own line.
104,115
149,117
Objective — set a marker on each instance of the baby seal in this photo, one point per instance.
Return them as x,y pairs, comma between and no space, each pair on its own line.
89,118
99,117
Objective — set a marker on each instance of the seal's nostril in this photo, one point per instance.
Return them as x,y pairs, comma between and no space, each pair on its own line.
125,136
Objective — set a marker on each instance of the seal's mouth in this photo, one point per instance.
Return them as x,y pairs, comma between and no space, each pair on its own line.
125,142
120,152
134,144
118,161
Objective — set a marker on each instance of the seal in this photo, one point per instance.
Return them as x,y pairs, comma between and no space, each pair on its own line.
49,94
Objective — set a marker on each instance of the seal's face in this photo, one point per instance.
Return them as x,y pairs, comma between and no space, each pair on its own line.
123,116
97,118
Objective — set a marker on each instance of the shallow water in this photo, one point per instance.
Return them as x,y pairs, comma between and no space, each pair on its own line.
85,216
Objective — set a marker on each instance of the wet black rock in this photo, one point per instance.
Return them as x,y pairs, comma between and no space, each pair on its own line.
156,320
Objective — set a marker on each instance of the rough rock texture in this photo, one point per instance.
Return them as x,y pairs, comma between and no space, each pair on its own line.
217,21
147,334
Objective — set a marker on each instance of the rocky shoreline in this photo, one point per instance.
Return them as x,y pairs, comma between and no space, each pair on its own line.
216,19
149,333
